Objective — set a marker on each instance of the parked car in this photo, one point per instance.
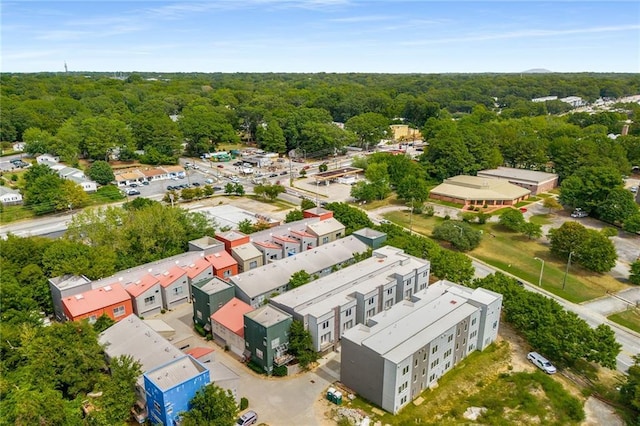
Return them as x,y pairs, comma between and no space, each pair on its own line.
220,166
133,185
247,419
217,188
133,192
541,362
633,189
273,175
208,181
235,179
196,184
578,212
145,182
284,173
170,188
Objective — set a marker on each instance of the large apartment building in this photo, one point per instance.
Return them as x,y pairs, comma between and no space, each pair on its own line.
396,354
333,304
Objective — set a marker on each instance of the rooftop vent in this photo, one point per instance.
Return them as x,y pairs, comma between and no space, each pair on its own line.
79,297
108,288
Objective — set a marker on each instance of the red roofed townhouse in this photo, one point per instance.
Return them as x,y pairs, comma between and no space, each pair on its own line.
270,251
175,287
227,325
146,295
289,245
232,239
306,240
318,212
224,265
199,270
111,300
202,354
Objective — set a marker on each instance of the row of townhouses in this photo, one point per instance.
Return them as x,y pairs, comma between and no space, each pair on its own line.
69,173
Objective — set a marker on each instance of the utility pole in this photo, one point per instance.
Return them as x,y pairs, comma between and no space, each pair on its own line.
566,272
411,218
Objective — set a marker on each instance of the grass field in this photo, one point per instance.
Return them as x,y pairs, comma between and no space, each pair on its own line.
629,319
484,379
516,255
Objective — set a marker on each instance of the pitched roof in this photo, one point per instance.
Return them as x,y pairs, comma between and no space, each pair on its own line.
479,188
195,268
93,300
138,287
172,275
221,260
231,315
199,352
267,244
285,239
518,174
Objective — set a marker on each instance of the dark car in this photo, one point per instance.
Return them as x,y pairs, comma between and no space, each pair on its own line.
133,192
237,163
273,175
133,185
196,184
217,188
220,166
284,173
145,182
170,188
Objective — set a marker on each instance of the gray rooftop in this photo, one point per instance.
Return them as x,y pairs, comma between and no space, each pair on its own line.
228,215
268,315
212,285
218,372
65,282
518,174
284,229
369,233
206,242
269,277
324,227
6,190
175,372
131,336
370,273
407,326
246,251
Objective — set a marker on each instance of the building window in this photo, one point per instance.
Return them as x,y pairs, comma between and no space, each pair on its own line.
473,334
253,264
434,349
92,319
447,353
405,370
371,301
347,313
259,353
424,371
149,300
388,304
177,291
325,325
450,338
495,324
424,357
199,315
325,240
118,312
473,321
156,406
325,338
415,364
371,312
407,294
339,234
227,273
389,291
273,257
447,365
347,325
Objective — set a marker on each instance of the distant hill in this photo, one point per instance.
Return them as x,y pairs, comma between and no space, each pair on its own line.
537,71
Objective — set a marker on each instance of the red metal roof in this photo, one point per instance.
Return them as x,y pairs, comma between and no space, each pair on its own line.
95,299
231,315
285,238
197,267
221,260
267,244
303,233
138,287
172,275
199,352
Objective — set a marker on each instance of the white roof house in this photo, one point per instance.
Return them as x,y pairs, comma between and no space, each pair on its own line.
10,196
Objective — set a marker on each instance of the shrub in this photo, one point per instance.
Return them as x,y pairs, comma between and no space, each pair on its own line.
201,331
447,217
255,367
429,211
280,371
244,403
14,178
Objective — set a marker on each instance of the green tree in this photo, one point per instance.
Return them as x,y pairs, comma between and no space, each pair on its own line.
512,219
101,172
299,278
293,215
634,273
630,389
37,141
301,344
103,322
632,223
617,207
119,391
370,128
211,406
306,204
414,189
531,230
105,136
597,253
270,137
204,127
323,167
351,217
589,187
452,266
551,204
459,234
567,238
246,227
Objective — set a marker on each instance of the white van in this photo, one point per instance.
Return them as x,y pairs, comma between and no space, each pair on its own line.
248,418
541,362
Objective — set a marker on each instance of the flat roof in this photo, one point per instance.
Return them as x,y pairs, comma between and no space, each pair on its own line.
246,251
268,315
276,274
175,372
68,281
334,174
519,174
479,188
400,331
326,226
369,233
284,229
212,285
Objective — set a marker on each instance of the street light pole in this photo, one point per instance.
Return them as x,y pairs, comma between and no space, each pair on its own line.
566,272
541,271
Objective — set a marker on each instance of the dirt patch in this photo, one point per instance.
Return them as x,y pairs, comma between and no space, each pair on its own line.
518,348
598,413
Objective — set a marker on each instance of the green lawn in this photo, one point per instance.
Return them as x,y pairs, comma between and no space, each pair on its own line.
13,213
629,318
540,219
515,254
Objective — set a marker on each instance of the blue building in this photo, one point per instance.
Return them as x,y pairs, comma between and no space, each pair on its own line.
170,387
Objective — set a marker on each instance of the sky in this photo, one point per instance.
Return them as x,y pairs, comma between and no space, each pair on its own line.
379,36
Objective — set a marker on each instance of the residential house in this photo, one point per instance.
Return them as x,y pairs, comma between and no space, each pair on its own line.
209,296
247,256
47,159
266,336
146,295
206,244
306,240
9,196
174,286
317,212
396,354
327,230
232,239
64,286
112,301
170,387
203,354
271,252
224,266
534,181
257,285
200,270
174,171
227,325
331,305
